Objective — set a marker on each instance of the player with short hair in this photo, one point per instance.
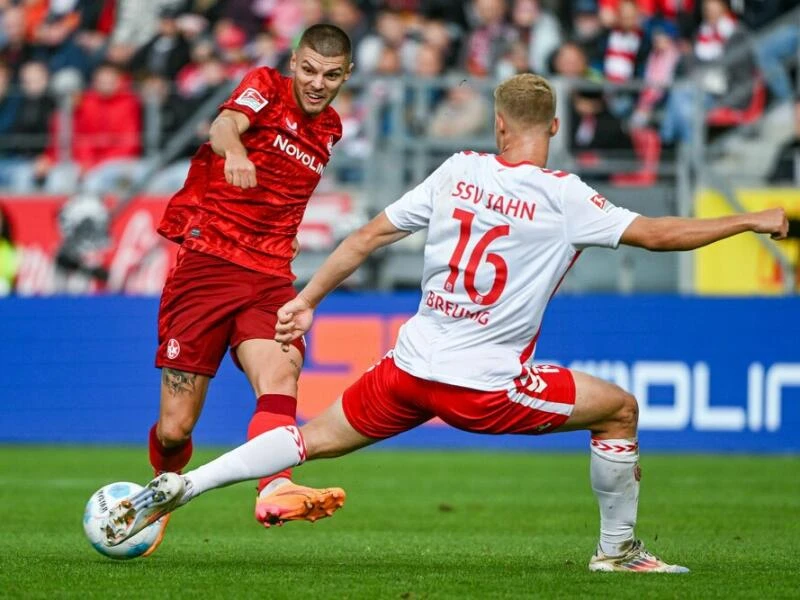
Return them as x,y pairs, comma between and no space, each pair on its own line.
502,233
236,220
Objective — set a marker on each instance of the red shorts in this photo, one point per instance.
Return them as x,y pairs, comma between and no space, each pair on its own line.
386,401
210,304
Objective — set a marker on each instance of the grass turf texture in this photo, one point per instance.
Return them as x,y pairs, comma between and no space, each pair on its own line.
415,525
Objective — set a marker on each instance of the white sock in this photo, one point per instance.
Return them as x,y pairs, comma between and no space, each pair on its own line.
264,455
615,481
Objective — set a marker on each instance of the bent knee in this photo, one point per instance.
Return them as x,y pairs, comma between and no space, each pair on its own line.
173,433
280,380
627,415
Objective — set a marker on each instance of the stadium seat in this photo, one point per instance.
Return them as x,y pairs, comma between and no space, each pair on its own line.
726,116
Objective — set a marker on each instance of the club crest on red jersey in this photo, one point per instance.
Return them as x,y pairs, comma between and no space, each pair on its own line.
252,98
173,349
291,125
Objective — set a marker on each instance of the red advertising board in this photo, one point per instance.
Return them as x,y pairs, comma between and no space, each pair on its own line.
135,258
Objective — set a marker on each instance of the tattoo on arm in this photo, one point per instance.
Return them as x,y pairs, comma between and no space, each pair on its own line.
178,381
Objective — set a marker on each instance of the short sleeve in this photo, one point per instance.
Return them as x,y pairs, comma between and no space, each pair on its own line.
590,219
252,95
413,210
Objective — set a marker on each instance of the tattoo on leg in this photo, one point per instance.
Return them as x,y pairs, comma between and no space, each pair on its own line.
178,381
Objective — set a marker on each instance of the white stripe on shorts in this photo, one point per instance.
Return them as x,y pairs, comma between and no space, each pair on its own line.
558,408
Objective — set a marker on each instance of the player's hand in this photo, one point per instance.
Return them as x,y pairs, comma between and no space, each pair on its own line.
239,171
295,248
294,319
772,221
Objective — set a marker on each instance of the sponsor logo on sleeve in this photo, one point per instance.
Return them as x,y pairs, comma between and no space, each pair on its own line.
600,202
252,99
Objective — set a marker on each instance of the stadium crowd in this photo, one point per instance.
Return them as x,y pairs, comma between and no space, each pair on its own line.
115,59
92,90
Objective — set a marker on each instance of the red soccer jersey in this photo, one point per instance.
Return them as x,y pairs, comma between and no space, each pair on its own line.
255,227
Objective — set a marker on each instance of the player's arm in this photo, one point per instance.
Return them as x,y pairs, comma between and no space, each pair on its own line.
678,233
294,318
225,137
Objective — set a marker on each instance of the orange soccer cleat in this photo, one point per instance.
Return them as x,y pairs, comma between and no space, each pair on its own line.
292,502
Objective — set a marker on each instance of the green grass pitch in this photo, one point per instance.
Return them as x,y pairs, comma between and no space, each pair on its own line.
416,525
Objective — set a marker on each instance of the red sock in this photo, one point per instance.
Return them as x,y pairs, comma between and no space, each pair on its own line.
272,411
168,459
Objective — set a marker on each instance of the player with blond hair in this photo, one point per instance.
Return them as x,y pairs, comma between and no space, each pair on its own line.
502,233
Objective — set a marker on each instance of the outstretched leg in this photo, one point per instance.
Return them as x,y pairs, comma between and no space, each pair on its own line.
328,435
611,415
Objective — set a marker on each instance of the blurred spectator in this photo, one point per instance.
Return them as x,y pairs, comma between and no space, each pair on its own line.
246,15
659,71
52,28
159,95
15,49
445,38
624,55
347,15
420,102
10,101
96,25
726,66
166,53
231,42
684,14
33,119
489,37
390,33
571,61
591,127
190,78
135,24
588,30
354,144
263,51
105,135
209,10
773,52
429,62
538,31
463,112
513,62
389,63
625,45
758,14
288,18
9,255
107,120
452,12
786,168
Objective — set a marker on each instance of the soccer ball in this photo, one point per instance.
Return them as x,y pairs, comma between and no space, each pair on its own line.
97,509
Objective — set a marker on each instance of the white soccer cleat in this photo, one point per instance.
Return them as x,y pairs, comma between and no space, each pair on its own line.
132,514
636,559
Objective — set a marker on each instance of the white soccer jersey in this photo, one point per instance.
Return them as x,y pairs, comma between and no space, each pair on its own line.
500,239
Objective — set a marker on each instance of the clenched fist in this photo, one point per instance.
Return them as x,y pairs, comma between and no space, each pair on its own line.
772,221
239,171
